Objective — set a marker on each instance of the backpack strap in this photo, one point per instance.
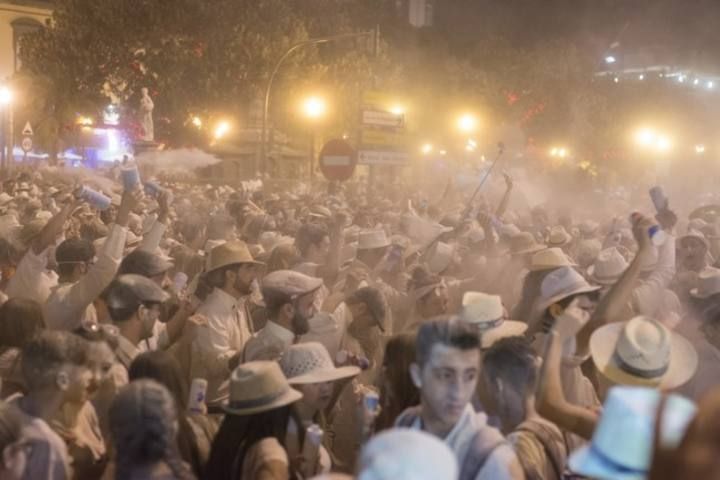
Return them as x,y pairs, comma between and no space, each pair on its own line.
484,443
543,434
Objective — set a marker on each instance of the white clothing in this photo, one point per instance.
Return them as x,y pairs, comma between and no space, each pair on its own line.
32,280
502,462
269,343
71,304
225,335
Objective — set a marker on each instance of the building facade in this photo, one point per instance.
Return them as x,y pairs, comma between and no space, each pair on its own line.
18,18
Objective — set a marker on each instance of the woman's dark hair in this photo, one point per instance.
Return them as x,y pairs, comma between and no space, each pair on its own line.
523,311
20,321
399,355
237,435
309,234
164,368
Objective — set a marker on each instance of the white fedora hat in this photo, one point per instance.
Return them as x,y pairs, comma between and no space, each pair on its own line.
558,237
695,235
371,239
623,441
588,227
643,352
257,387
307,363
608,267
486,312
708,283
560,284
550,259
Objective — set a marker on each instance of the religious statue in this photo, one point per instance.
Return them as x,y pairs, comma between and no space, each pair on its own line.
146,120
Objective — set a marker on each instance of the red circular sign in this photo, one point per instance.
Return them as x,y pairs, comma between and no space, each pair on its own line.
338,160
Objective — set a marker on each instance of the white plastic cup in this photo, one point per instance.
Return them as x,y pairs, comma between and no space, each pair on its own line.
311,449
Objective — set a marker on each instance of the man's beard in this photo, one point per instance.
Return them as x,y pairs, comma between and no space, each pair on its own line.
300,324
242,287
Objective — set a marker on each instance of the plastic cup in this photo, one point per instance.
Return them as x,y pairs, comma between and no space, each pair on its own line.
198,391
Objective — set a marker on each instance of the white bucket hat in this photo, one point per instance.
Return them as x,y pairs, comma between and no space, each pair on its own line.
558,237
371,239
486,312
623,441
550,259
643,352
402,453
708,283
307,363
608,267
560,284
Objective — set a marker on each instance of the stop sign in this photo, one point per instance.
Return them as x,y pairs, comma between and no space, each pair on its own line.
338,160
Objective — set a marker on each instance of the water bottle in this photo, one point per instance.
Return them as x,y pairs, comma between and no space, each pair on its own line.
94,198
655,232
130,176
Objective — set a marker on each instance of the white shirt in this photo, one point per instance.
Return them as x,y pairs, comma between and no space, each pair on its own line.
71,304
225,335
502,463
32,280
269,343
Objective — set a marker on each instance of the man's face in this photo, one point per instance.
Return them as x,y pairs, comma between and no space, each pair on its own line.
693,252
304,311
448,381
244,276
100,362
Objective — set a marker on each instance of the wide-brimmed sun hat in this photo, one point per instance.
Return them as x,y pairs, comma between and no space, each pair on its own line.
623,441
550,259
524,243
643,352
560,284
257,387
229,253
307,363
558,237
708,283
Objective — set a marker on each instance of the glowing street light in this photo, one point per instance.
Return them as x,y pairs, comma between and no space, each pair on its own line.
314,107
710,85
221,130
610,59
426,149
699,149
84,121
397,109
197,121
6,96
645,137
467,123
559,152
663,144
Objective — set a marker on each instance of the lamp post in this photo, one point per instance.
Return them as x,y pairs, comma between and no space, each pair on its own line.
6,98
268,89
314,109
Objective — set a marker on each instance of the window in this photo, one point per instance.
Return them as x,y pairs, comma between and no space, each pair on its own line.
22,26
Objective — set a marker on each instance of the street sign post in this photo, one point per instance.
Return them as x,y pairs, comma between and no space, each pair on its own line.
338,160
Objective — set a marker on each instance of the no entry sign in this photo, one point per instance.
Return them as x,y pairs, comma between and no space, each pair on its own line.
338,160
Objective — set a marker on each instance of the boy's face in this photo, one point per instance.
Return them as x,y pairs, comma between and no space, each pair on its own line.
78,385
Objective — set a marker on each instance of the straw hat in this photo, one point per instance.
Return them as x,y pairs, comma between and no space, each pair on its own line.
589,227
5,198
230,253
708,283
622,444
371,239
608,267
559,237
257,387
524,243
307,363
550,259
486,312
695,235
643,352
560,284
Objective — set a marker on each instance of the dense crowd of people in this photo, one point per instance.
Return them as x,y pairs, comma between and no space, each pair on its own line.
172,330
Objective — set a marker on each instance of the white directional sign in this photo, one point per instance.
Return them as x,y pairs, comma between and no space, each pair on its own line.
27,131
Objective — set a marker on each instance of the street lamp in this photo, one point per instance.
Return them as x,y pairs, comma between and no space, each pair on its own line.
314,107
197,121
6,96
467,123
699,149
610,59
426,149
221,130
397,109
559,152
